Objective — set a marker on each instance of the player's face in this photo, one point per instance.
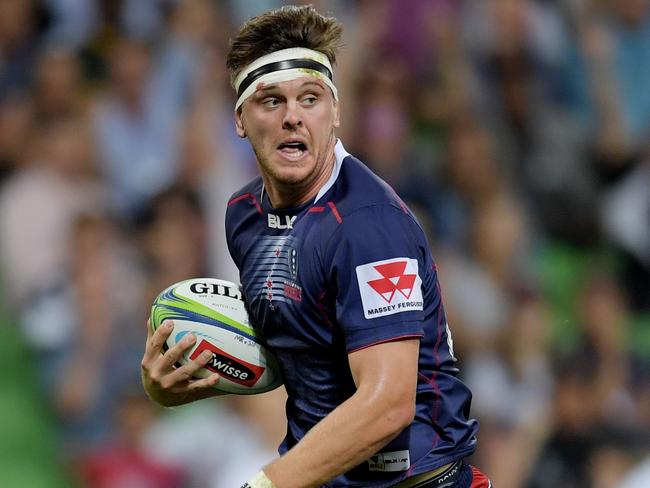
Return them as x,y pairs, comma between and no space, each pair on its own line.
291,128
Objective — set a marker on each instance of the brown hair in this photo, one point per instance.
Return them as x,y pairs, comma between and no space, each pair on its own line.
283,28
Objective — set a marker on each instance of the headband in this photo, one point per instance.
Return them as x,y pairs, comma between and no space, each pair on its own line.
283,65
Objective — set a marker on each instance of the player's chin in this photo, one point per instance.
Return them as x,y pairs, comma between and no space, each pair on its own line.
293,171
296,177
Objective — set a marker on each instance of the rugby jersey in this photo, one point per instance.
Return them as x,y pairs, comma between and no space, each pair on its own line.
348,270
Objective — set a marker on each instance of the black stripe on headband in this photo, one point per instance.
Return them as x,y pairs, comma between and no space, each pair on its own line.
281,66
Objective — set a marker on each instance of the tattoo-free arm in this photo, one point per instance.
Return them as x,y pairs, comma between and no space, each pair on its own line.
383,405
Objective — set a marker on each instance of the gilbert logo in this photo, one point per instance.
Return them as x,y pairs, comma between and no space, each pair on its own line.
276,222
215,289
389,286
228,366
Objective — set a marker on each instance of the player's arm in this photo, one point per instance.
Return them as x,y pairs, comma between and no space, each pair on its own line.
383,406
164,383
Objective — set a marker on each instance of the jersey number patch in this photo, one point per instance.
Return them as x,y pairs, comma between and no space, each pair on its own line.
389,286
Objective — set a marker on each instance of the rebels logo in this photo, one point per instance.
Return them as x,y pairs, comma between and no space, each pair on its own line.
228,366
389,286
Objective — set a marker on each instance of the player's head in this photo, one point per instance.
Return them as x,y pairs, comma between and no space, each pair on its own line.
281,65
265,39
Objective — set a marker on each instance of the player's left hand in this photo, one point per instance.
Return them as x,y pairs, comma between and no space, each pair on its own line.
166,384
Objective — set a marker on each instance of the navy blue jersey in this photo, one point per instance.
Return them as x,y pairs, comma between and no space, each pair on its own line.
349,270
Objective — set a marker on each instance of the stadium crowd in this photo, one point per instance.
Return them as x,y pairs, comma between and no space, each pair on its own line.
517,130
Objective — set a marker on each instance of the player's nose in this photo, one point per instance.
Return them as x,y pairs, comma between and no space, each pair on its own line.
292,117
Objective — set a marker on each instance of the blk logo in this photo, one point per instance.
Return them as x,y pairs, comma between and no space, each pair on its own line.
394,280
276,222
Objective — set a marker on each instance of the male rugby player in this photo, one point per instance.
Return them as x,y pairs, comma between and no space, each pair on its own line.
338,276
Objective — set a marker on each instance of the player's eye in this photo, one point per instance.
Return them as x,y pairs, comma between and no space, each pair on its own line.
309,100
271,102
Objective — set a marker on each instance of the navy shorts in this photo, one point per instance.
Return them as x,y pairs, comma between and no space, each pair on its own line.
459,475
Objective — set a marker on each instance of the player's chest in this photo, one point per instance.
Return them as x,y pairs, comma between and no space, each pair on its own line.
284,284
271,269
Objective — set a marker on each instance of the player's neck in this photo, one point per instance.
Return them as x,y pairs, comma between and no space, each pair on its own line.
294,195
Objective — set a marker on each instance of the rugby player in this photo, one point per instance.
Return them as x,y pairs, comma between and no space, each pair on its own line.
338,276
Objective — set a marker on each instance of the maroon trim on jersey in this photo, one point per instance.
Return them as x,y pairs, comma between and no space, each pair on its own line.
332,207
243,197
436,390
335,212
321,306
434,383
390,339
479,479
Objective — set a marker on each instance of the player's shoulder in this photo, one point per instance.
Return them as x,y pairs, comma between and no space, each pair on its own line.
360,191
242,208
247,198
360,205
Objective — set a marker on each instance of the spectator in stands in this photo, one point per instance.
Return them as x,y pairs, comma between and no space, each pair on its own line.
136,128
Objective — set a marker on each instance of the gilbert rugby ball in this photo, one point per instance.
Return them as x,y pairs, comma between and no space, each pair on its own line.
213,310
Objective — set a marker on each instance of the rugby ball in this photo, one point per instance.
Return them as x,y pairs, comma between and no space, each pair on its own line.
213,310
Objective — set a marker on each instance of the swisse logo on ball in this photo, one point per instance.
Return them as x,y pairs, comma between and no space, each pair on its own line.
229,367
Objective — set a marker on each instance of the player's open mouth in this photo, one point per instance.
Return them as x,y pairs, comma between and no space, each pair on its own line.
293,150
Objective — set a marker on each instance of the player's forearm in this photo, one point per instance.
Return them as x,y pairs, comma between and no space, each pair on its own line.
349,435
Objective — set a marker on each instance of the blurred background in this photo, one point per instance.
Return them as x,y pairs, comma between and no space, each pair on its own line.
516,129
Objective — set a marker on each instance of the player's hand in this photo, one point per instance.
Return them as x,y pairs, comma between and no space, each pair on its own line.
166,384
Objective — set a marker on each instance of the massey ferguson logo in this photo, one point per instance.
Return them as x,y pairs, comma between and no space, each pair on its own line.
389,286
284,222
394,279
229,367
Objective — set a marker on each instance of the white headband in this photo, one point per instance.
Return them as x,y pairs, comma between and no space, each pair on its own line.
283,65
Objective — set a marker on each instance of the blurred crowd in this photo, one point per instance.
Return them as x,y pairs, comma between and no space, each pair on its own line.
516,129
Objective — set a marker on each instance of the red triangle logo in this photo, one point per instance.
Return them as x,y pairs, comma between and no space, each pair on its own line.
393,280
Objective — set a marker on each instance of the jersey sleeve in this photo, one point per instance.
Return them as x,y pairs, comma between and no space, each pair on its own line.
378,257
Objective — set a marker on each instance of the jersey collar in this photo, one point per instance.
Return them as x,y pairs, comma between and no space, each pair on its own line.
339,155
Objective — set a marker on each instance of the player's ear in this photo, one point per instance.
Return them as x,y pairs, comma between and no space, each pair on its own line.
239,124
337,115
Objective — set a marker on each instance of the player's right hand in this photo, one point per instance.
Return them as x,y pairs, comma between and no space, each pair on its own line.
167,384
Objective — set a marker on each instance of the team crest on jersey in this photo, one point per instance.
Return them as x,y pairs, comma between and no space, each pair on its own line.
276,259
390,286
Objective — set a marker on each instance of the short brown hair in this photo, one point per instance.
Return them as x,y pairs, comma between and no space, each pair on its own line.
283,28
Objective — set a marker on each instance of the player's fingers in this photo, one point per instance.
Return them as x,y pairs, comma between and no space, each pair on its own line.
208,382
186,386
156,340
174,354
185,372
181,388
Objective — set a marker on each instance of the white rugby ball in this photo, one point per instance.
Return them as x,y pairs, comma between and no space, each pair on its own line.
213,310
